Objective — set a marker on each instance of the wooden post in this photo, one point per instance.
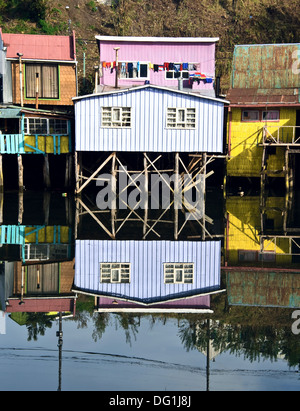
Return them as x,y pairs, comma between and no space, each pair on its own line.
1,174
46,171
20,172
21,207
68,172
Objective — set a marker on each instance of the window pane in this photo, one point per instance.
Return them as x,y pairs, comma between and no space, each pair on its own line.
31,70
49,81
270,115
37,126
143,70
250,115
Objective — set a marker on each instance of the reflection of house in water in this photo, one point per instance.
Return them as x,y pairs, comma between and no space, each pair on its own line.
147,276
262,253
263,288
259,233
38,287
37,259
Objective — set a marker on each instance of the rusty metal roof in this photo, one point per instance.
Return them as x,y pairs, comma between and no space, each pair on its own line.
265,74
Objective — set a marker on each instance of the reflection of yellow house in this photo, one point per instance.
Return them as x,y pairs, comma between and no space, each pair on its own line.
244,244
264,109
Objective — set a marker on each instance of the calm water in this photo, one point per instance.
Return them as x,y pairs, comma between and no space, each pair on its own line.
246,342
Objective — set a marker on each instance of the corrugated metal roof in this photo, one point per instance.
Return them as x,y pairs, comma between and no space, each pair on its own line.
263,289
265,74
40,47
147,258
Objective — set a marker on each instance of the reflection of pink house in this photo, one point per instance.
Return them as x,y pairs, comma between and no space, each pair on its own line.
199,304
159,61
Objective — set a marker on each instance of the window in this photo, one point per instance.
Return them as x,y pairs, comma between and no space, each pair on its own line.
250,115
272,115
33,125
48,80
181,118
116,117
177,72
115,272
178,273
132,70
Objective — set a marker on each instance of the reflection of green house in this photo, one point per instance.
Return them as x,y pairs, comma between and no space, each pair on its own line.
39,243
263,288
264,111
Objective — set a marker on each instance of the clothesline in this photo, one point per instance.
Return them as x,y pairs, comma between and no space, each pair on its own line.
128,67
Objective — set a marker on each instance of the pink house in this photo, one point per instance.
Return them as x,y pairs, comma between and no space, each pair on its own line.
160,61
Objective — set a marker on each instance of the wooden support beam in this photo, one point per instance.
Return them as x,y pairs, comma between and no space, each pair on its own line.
20,173
95,218
94,173
1,174
46,172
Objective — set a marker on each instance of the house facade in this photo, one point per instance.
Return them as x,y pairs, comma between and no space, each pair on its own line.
38,79
264,111
161,61
154,97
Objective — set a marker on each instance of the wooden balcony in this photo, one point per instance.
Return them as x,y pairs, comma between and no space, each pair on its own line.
284,136
35,144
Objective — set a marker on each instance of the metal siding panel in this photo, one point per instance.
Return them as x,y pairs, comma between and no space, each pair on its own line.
148,131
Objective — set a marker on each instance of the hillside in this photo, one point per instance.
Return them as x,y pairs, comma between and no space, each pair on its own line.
233,21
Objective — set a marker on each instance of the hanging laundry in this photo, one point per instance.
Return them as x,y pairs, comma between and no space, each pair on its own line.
185,66
209,80
171,66
155,67
160,68
191,67
176,67
166,66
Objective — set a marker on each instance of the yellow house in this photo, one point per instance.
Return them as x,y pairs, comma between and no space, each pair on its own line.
263,133
253,234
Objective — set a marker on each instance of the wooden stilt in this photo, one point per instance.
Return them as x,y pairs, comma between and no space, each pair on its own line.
20,173
94,173
21,207
46,172
46,206
1,207
68,172
1,174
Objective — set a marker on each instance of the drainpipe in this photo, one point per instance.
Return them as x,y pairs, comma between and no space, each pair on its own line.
21,77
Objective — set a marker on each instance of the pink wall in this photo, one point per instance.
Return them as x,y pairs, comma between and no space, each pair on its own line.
192,302
201,54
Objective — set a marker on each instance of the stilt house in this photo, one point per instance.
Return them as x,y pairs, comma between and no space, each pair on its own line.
154,108
264,112
38,78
